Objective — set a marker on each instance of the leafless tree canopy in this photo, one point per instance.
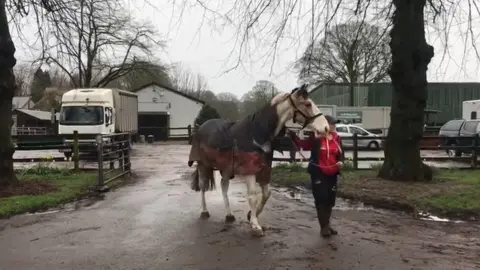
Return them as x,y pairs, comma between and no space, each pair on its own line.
150,73
350,52
262,93
185,80
96,41
23,79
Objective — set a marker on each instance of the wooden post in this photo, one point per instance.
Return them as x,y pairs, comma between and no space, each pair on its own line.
126,156
76,154
355,151
113,153
189,128
474,150
121,152
100,179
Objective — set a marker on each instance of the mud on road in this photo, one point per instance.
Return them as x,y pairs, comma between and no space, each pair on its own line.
154,224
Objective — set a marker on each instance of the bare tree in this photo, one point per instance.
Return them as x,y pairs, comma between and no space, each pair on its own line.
7,91
353,52
187,81
23,79
96,41
227,105
262,93
152,73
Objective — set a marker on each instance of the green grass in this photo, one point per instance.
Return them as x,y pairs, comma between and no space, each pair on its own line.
452,193
70,186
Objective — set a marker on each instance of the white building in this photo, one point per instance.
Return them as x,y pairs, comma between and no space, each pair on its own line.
165,112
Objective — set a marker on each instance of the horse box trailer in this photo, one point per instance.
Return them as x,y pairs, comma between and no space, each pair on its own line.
92,111
470,109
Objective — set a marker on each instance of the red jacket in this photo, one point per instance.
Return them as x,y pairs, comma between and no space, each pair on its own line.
325,153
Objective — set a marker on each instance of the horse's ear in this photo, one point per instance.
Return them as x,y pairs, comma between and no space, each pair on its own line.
301,91
294,89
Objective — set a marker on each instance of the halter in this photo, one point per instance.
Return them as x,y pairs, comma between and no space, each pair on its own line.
308,120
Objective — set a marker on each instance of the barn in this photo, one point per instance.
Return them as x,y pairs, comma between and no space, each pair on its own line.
165,112
32,122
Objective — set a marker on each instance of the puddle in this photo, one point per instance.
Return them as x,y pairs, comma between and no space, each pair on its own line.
304,195
427,216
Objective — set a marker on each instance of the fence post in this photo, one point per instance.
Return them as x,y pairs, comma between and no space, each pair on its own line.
189,128
474,150
355,151
100,179
76,154
121,152
126,156
112,149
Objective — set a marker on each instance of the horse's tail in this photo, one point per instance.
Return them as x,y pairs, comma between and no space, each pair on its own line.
207,182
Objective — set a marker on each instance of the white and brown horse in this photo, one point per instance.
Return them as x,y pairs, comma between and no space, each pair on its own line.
243,149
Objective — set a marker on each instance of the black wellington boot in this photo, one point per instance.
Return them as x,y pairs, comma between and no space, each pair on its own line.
322,213
329,215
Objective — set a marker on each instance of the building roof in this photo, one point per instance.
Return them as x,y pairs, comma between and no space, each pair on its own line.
41,115
169,89
320,85
20,101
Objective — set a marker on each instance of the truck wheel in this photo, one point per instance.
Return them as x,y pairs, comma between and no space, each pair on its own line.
373,146
453,152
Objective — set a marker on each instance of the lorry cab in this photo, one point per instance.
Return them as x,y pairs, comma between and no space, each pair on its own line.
93,111
88,111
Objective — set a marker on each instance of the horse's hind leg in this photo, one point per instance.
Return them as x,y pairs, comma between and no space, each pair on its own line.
225,182
206,182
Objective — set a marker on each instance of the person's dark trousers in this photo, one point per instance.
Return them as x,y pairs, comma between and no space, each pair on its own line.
324,190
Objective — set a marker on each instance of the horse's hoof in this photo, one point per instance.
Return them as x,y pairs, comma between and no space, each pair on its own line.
204,215
258,232
249,215
229,218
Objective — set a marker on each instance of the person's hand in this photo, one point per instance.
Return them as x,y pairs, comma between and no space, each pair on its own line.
340,164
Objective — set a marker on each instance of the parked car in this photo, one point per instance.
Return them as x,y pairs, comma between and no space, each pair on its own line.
458,132
346,131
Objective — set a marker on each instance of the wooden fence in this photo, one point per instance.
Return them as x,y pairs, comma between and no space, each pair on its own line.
469,145
114,149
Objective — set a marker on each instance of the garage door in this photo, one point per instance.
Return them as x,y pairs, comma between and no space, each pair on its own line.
155,124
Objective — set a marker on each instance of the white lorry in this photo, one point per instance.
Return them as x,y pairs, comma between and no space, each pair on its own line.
93,111
470,109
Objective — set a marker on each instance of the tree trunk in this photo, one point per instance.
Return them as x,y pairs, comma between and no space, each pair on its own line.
410,57
7,90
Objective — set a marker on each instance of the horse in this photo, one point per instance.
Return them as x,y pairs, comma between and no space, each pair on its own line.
243,149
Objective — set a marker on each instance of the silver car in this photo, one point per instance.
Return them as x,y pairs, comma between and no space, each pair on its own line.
346,133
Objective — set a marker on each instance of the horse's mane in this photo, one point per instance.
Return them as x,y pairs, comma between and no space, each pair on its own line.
279,98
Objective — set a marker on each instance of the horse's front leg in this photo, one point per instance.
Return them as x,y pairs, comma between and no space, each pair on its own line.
250,180
225,182
266,192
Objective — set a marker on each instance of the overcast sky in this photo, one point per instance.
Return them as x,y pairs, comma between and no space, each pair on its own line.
206,50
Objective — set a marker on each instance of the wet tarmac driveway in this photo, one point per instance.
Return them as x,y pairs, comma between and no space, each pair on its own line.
154,224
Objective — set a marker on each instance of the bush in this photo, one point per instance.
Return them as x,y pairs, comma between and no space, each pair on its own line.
206,113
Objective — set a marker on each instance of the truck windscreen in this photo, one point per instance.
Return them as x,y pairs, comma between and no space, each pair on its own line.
81,115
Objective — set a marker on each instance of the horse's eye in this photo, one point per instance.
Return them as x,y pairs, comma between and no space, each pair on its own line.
308,104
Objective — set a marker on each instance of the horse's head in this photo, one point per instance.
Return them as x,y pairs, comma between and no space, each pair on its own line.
306,112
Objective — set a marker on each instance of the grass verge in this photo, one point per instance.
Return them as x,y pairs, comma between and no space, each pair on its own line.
453,193
42,187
